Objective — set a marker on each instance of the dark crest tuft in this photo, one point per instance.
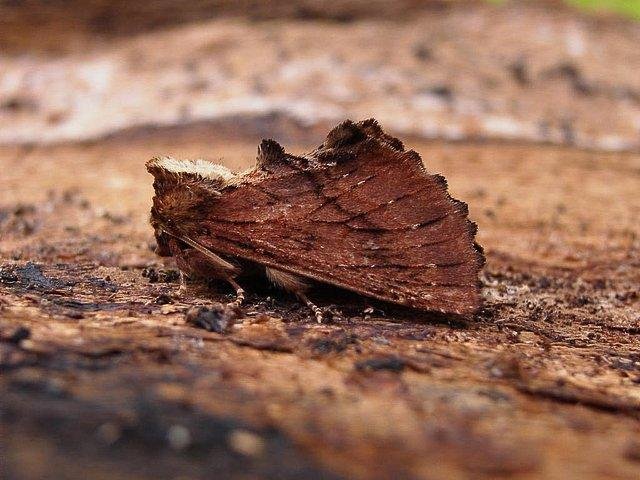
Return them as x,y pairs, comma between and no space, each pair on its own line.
347,133
373,129
270,152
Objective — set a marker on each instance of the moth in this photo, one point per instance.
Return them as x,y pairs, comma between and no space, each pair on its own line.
359,212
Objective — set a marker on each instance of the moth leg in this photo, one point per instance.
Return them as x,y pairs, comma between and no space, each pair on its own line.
239,292
314,308
182,290
294,284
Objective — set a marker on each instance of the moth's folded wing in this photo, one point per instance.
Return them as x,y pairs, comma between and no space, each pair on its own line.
373,222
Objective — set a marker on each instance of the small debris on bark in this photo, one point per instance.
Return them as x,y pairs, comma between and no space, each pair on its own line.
19,334
218,318
163,299
334,343
392,364
160,275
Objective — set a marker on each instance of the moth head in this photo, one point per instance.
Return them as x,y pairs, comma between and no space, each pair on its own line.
183,188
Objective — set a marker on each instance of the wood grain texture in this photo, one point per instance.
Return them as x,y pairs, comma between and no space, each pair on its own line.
543,382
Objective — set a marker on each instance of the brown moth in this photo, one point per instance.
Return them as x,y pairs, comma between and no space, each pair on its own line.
360,212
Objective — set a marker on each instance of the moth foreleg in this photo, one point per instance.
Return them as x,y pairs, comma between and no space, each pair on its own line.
314,308
182,290
294,284
239,292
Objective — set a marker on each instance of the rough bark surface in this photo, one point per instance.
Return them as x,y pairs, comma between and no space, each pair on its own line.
102,375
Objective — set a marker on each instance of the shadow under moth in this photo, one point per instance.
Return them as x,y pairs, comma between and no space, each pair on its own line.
359,212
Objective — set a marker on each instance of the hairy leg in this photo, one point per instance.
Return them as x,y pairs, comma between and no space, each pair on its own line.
239,292
294,284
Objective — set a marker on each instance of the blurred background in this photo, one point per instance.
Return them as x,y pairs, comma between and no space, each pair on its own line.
548,71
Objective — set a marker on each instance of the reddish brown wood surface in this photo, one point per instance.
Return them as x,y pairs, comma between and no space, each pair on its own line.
102,374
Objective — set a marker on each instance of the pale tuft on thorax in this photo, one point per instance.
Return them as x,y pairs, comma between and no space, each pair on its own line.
202,168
